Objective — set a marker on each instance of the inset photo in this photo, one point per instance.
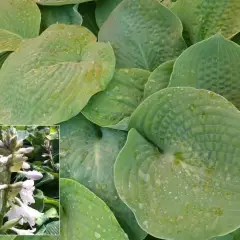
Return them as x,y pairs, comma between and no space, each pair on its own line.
29,180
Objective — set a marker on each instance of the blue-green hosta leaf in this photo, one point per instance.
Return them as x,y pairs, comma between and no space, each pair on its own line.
119,100
159,78
85,216
212,64
88,154
9,41
179,170
18,19
204,18
231,236
103,10
143,33
62,69
60,2
67,14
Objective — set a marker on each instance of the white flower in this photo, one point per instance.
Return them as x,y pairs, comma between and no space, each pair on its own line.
25,165
34,175
3,160
25,150
24,232
28,214
3,186
26,192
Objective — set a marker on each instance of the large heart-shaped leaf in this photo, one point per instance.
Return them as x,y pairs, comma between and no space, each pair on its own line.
143,33
103,10
88,154
212,64
159,78
62,69
67,14
85,216
18,19
204,18
179,170
113,107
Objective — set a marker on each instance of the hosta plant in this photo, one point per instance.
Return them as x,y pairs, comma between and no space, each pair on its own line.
146,93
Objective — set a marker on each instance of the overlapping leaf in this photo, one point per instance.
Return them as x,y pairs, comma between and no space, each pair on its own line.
9,41
62,69
88,154
179,170
231,236
212,64
18,19
103,10
85,216
67,14
159,78
143,33
113,107
203,18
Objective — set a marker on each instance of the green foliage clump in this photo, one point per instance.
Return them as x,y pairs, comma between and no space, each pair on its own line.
146,93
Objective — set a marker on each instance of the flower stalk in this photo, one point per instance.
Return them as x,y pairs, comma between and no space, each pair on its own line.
5,178
6,142
13,159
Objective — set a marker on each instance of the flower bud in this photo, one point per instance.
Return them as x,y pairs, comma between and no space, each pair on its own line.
12,131
3,160
13,142
14,189
34,175
25,150
25,165
3,187
19,144
4,151
16,162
